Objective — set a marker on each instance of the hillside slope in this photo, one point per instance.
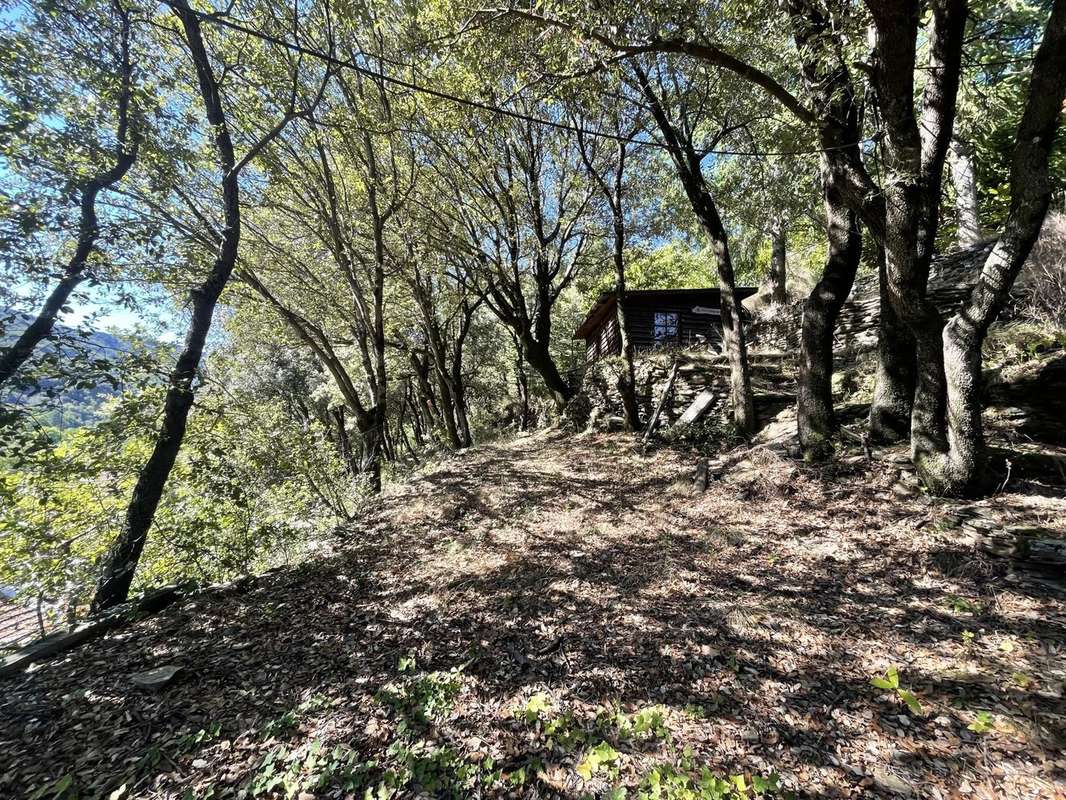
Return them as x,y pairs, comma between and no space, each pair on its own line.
561,616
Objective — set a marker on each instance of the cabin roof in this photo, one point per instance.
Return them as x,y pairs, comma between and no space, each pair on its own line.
605,303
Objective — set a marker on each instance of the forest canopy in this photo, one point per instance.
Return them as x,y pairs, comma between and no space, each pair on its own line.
334,242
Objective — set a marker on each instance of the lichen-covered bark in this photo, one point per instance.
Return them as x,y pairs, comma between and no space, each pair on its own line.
893,397
947,442
820,311
964,179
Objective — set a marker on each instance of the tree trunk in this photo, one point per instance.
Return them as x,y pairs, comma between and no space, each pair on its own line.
958,468
403,427
689,171
736,347
344,442
814,404
128,142
416,420
14,356
447,413
778,267
462,416
420,369
538,356
614,193
373,447
890,411
521,385
947,442
462,411
627,380
114,585
964,178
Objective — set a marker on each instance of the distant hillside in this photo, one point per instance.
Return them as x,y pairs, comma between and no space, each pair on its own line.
62,405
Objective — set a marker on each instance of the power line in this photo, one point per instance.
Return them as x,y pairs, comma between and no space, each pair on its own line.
479,104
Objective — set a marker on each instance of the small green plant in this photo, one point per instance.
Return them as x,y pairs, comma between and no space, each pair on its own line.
686,781
890,683
61,787
647,723
281,725
286,723
535,707
983,723
968,639
565,732
308,768
421,700
600,757
696,711
192,742
960,605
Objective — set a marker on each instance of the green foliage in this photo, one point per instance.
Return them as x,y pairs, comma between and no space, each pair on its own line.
194,741
410,760
983,722
992,95
598,740
282,725
687,781
307,768
420,700
645,723
537,705
1020,340
890,683
61,788
240,498
961,605
315,767
671,266
597,759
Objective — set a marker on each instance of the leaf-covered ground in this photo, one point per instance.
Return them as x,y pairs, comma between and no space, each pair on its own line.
561,616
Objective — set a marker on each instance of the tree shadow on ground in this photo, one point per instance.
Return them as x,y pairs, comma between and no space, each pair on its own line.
751,618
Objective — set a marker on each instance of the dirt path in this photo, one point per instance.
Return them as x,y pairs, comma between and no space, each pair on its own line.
560,616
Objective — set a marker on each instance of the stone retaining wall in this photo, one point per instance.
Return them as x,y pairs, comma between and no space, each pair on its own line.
600,404
950,279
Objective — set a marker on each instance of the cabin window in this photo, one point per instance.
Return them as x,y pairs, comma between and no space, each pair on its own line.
665,327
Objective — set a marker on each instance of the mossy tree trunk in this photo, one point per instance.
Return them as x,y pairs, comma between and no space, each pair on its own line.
814,403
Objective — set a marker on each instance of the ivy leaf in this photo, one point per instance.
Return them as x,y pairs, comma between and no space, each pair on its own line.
912,702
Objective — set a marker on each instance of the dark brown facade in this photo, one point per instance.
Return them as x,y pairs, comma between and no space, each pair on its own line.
656,318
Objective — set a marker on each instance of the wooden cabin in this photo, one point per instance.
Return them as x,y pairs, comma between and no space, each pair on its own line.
656,318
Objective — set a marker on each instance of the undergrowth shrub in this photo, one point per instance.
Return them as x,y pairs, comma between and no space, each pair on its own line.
712,434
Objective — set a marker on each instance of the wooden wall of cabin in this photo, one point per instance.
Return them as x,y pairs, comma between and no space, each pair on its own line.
605,341
641,322
691,326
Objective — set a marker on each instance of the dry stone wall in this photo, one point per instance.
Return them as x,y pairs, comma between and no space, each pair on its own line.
950,279
599,403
